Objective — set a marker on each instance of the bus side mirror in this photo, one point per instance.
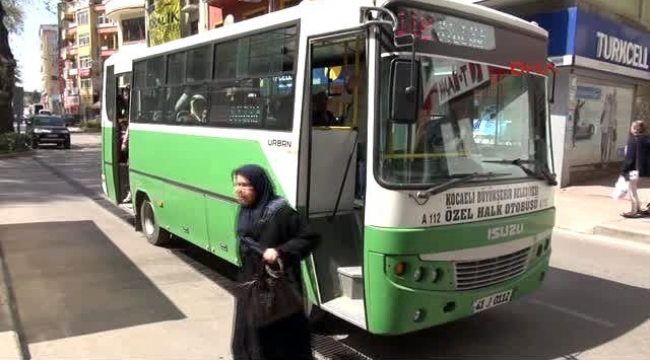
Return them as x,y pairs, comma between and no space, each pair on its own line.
404,93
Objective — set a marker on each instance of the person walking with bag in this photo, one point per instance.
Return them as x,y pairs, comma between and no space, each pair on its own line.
271,233
636,166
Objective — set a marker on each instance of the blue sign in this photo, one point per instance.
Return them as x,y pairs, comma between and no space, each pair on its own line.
603,40
561,27
588,92
574,31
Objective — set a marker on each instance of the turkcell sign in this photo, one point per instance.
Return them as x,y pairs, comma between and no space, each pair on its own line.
589,39
613,49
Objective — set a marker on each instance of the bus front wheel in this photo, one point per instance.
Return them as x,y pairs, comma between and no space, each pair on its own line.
150,226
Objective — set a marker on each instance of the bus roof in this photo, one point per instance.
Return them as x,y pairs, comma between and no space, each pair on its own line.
123,58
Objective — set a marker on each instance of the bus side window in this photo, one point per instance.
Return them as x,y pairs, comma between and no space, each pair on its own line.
281,113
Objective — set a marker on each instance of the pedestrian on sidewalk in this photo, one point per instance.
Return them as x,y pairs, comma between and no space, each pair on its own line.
281,235
636,166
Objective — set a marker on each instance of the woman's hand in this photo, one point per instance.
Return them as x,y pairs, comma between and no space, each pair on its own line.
270,256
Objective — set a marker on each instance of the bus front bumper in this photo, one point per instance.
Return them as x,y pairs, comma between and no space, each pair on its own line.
394,309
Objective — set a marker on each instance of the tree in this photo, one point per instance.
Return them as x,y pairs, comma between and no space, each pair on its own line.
11,21
36,96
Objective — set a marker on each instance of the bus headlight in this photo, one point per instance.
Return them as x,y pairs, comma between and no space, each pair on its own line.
419,315
417,275
436,275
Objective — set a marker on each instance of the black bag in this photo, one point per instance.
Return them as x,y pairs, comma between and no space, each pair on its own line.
271,296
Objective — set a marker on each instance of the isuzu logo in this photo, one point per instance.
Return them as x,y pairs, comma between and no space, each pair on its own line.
505,231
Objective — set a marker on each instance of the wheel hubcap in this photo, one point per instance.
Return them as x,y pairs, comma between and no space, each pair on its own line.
148,220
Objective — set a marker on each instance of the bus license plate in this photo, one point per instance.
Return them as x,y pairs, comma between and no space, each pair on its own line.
492,301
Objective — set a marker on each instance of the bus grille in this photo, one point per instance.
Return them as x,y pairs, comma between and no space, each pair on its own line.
486,272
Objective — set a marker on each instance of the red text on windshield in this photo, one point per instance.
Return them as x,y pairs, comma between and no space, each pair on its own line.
520,68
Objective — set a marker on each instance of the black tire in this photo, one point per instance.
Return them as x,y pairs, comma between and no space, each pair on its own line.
66,145
150,227
34,145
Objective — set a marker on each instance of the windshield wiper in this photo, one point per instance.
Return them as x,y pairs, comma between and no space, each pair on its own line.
457,180
544,174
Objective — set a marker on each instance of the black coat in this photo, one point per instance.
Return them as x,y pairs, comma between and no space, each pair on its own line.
289,338
637,156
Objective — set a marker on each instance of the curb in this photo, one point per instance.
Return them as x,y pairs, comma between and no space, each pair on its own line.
610,232
623,234
9,340
17,154
10,346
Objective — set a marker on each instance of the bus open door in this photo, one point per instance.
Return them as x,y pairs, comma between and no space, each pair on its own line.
115,180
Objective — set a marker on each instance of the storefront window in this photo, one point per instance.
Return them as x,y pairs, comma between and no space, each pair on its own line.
133,29
601,119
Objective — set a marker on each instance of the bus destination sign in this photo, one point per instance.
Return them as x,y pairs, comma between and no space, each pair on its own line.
436,27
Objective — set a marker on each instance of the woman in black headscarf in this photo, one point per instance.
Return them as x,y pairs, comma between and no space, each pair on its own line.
284,236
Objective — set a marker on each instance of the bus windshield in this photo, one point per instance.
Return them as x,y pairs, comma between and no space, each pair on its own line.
472,118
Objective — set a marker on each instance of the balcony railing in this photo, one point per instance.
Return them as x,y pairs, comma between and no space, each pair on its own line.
106,51
67,35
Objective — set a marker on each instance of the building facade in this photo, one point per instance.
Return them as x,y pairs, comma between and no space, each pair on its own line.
89,37
236,10
129,15
168,20
51,98
600,49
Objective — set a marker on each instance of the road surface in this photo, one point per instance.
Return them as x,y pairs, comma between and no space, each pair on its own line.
88,287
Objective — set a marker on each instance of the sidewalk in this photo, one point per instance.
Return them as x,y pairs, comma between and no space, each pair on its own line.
9,341
590,209
82,284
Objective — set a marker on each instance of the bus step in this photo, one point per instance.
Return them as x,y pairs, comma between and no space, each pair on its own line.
351,280
128,207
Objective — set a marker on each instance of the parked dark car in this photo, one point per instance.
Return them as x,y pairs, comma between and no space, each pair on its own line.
48,129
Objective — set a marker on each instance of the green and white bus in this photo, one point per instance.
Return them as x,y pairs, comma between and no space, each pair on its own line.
397,129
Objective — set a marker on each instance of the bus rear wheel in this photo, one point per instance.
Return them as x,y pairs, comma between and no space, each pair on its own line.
150,226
